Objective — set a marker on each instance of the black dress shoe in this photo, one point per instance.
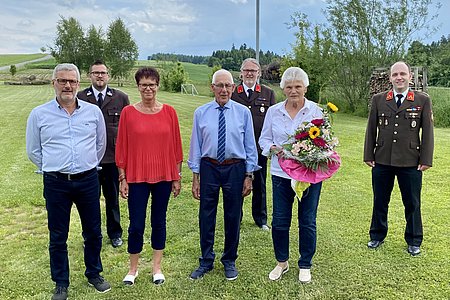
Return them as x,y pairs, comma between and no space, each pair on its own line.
413,250
116,242
374,244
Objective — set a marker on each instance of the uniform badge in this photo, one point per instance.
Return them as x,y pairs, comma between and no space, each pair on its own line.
262,109
413,123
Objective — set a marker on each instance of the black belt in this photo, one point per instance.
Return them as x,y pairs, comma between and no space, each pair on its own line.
71,177
230,161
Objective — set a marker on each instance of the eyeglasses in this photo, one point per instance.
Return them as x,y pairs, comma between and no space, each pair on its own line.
220,86
250,71
97,73
63,82
144,86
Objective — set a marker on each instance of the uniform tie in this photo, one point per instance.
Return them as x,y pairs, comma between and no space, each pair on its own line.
100,100
399,99
250,92
221,136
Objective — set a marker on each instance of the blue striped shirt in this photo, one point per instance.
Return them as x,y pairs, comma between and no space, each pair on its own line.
240,138
59,142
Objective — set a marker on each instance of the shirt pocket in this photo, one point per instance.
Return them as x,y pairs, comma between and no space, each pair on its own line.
384,119
113,116
413,118
262,105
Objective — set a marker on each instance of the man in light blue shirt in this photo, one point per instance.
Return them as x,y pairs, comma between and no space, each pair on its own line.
222,155
66,139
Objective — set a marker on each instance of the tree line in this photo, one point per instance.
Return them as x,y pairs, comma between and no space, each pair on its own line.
434,56
116,47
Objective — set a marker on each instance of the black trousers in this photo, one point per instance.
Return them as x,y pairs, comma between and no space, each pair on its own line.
410,183
109,183
60,194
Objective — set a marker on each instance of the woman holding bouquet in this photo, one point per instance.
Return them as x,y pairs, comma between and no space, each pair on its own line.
281,122
149,157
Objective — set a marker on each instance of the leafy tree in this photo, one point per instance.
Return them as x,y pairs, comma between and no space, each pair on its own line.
172,78
69,42
121,50
363,34
13,70
313,53
94,47
43,49
370,33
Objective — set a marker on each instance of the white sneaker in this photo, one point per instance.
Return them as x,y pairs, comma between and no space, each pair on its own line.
278,271
304,276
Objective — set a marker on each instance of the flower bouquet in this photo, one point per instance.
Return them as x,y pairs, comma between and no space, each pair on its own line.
309,155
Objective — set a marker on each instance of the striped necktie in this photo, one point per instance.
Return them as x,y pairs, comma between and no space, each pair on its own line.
221,136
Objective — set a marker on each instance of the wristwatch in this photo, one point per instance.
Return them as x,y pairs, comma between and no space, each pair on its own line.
250,175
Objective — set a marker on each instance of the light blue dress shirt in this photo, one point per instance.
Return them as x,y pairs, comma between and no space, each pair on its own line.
278,125
59,142
240,138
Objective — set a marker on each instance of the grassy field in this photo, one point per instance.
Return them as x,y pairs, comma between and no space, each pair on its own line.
343,266
10,59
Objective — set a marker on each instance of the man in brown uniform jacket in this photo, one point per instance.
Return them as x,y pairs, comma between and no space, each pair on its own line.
257,98
111,103
399,142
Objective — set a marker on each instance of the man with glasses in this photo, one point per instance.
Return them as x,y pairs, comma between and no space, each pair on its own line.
258,98
222,155
66,139
111,103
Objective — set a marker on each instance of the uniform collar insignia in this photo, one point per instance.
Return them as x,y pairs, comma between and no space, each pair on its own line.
89,91
390,95
240,89
258,88
410,96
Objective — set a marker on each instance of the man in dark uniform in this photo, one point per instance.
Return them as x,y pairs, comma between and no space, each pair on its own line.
399,142
257,98
111,103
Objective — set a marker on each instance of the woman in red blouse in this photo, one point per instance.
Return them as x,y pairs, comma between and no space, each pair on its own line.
149,157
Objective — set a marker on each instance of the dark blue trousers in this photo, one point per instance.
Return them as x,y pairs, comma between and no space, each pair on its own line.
231,179
283,200
410,184
137,207
109,182
59,196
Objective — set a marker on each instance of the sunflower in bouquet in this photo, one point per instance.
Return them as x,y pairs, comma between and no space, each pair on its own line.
309,156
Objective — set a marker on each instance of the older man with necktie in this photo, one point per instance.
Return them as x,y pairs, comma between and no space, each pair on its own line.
223,156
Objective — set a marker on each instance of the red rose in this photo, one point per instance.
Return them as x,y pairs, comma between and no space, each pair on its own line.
320,142
301,135
317,122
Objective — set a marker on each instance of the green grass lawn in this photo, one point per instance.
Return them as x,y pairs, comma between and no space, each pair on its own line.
343,266
10,59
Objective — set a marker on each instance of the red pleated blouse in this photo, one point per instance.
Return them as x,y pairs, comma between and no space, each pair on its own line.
149,146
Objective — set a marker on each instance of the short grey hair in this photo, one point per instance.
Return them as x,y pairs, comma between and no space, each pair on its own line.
252,60
66,67
222,71
294,73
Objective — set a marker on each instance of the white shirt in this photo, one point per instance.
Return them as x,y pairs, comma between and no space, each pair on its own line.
278,125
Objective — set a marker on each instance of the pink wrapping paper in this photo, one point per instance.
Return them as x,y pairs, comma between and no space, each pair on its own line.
300,173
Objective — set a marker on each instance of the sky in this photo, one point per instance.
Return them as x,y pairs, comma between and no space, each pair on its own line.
193,27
